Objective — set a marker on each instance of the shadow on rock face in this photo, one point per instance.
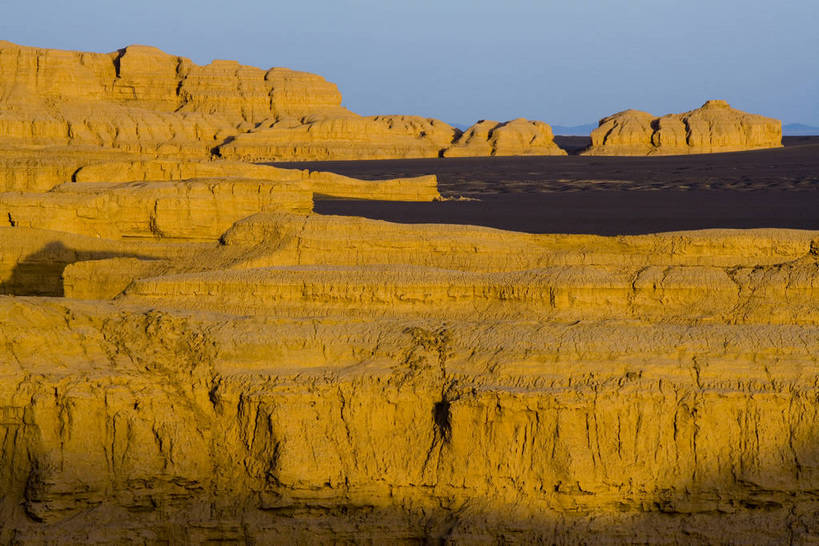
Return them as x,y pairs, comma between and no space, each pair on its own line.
41,273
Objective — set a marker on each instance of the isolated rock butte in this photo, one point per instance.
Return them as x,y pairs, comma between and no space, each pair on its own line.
140,99
715,127
516,137
144,101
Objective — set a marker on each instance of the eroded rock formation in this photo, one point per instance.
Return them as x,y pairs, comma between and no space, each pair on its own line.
140,100
516,137
189,354
715,127
341,137
217,373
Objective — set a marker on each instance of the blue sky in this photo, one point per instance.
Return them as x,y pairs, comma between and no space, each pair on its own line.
566,62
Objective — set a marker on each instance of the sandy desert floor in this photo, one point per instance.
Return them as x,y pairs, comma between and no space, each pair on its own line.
602,195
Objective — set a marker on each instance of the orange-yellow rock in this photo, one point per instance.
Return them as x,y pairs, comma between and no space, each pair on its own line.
715,127
140,100
189,354
619,396
516,137
196,209
350,136
420,188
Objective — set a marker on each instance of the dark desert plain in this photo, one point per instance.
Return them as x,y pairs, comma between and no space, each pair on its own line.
773,188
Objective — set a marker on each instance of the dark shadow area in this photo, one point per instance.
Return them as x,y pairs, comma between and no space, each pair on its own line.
216,151
688,518
41,273
600,212
792,168
776,188
573,144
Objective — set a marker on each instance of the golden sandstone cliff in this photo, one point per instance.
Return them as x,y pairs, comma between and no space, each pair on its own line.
303,377
189,354
715,127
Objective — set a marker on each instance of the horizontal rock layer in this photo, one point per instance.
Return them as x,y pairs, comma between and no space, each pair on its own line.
402,427
319,378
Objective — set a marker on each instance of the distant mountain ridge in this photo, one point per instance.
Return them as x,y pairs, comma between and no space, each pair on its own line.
574,130
799,129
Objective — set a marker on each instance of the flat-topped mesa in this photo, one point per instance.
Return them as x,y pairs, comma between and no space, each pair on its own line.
714,127
148,78
517,137
140,99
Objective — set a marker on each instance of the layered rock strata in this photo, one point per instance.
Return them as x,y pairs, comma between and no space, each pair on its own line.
419,188
189,354
309,378
342,137
142,101
267,429
715,127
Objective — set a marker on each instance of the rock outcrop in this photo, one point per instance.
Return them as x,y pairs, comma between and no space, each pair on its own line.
215,400
419,188
142,101
715,127
306,378
189,354
516,137
341,137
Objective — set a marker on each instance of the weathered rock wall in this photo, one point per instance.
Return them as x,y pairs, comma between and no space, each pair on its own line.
402,428
318,378
188,354
347,137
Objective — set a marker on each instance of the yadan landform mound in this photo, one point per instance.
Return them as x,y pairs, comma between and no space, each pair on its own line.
516,137
715,127
189,353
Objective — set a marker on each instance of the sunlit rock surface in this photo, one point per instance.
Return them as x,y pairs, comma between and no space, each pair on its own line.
516,137
311,378
189,354
140,100
715,127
